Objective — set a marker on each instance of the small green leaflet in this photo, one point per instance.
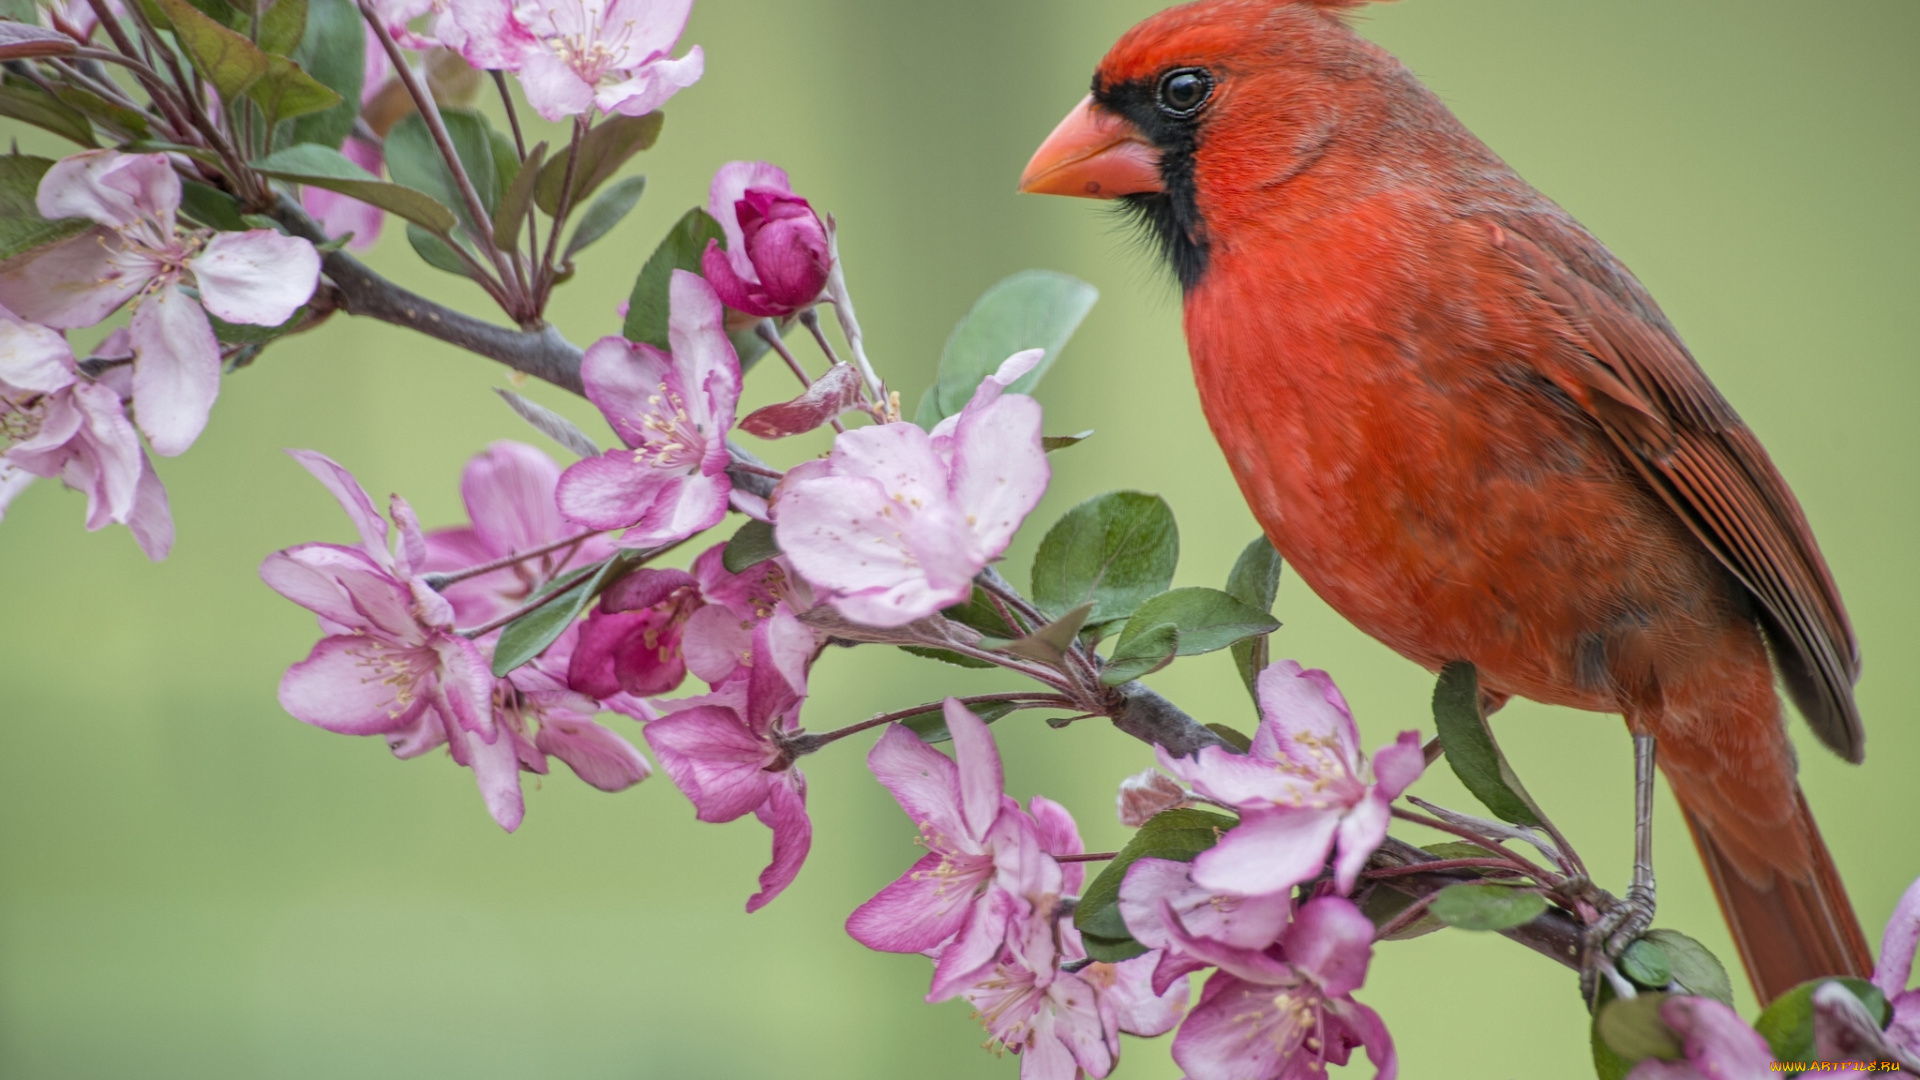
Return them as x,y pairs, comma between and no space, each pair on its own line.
1033,309
1116,550
1472,751
529,635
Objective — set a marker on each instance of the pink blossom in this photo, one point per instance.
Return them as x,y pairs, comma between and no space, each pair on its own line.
543,715
894,524
137,252
1262,1017
509,495
1890,975
988,866
1040,997
573,55
1717,1043
673,413
654,626
725,750
1302,789
56,423
337,214
777,255
1067,1024
391,663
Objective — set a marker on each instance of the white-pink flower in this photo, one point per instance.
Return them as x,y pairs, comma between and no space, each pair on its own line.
673,413
1718,1044
1895,966
138,252
54,422
391,663
1302,789
893,525
573,55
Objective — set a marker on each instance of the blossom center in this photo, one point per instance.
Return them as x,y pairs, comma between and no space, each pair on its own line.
669,437
402,669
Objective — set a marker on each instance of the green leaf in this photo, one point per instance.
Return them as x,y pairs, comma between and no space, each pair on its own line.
930,723
1632,1028
237,67
1607,1065
1050,643
1787,1024
23,232
1171,834
607,147
212,207
1472,751
1646,963
947,656
1254,581
332,50
1117,550
607,211
512,212
1234,737
1487,907
978,612
413,159
1383,904
117,118
283,26
1143,653
680,250
1033,309
435,252
1050,443
248,334
1208,619
21,100
529,635
324,167
752,545
1111,950
1697,970
550,423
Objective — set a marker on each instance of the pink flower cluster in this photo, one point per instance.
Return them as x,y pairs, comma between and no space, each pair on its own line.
576,55
987,903
1279,1004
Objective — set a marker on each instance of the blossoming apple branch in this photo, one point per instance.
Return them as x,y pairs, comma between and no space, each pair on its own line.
219,217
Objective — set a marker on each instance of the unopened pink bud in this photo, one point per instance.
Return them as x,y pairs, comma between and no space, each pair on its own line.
1146,794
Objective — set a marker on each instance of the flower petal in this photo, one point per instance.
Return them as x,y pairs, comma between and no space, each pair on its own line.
652,85
1153,886
508,491
981,783
595,754
353,499
785,812
354,685
258,277
554,89
1898,943
713,759
729,186
975,949
1398,764
1269,851
176,369
1138,1010
1298,702
496,771
1331,941
111,188
918,912
33,358
612,491
1000,471
924,781
76,283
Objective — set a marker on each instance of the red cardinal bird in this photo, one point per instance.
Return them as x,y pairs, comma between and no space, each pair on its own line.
1473,432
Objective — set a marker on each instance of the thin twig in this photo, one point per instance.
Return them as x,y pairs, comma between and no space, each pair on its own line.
804,743
430,113
1091,856
1521,862
441,581
543,283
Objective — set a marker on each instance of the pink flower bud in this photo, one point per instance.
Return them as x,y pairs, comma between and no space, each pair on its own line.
1146,794
777,256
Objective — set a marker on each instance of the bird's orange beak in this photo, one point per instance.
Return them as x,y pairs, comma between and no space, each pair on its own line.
1093,155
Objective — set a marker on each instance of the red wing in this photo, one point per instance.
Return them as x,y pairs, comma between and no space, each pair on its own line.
1645,389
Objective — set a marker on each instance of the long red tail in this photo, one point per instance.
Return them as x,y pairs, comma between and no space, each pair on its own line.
1788,928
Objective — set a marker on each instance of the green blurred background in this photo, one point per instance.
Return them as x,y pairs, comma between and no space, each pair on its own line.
193,884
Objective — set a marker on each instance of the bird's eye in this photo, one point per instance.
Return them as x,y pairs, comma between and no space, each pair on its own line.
1184,90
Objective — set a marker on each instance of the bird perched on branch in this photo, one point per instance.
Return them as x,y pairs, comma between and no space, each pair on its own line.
1474,433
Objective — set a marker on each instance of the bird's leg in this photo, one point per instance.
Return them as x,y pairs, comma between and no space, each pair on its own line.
1630,918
